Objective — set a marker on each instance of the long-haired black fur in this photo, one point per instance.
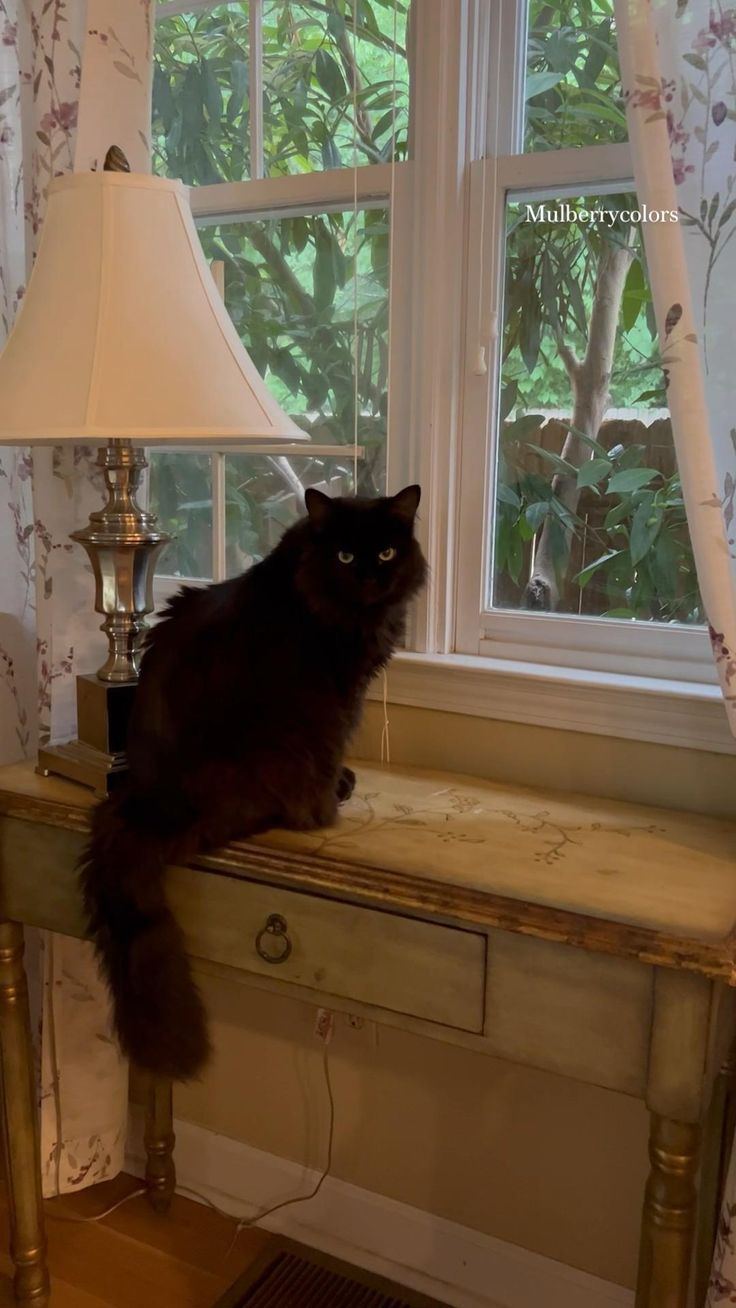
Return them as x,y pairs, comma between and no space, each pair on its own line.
249,692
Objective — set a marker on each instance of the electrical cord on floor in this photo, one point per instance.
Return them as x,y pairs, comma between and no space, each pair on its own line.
245,1222
97,1217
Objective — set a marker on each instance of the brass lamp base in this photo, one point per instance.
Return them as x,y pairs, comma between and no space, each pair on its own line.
79,762
97,758
123,542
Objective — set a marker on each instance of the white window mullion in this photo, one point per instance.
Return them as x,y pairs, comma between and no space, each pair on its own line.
481,372
481,363
398,461
312,192
506,104
219,562
448,52
561,173
624,648
255,86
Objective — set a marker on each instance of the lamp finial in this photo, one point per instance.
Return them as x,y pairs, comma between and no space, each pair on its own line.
115,161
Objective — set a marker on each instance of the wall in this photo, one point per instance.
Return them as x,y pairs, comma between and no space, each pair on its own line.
521,1155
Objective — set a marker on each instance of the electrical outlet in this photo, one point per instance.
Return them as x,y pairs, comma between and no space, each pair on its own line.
355,1021
324,1025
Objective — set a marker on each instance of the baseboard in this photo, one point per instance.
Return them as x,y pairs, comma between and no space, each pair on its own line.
454,1263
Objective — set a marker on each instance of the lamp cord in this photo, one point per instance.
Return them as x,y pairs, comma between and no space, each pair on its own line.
386,725
356,343
488,331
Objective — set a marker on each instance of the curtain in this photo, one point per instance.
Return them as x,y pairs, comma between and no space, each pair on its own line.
75,77
678,61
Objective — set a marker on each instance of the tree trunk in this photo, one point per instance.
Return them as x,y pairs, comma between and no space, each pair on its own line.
589,379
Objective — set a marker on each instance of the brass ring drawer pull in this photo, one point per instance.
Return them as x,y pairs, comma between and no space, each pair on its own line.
274,931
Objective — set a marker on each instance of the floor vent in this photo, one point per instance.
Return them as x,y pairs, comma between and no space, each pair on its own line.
290,1276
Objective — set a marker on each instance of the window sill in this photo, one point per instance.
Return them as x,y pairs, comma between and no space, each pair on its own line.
676,713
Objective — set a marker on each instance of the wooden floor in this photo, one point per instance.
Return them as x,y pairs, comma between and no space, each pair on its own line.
134,1258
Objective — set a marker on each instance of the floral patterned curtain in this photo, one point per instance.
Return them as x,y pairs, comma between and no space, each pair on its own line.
54,118
678,60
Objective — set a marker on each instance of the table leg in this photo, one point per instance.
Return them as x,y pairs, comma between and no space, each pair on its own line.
718,1138
668,1223
20,1125
159,1142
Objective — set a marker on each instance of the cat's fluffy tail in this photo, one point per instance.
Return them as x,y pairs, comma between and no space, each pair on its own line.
158,1010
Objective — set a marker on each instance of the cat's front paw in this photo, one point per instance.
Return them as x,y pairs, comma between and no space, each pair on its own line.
345,785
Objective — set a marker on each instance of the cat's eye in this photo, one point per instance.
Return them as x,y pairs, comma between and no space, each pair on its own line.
387,555
345,556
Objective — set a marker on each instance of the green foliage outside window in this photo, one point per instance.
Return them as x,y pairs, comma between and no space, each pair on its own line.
573,81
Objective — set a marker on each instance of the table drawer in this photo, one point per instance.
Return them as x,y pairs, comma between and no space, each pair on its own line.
423,969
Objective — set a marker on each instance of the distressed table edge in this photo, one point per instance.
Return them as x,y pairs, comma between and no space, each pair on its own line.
397,891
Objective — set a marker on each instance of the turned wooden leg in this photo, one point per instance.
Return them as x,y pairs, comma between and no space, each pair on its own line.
668,1223
159,1142
719,1135
20,1125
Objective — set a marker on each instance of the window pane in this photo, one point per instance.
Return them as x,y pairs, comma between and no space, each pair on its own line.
201,100
201,108
591,520
180,494
264,497
310,62
573,80
289,288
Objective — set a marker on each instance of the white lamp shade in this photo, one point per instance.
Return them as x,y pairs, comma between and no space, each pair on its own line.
123,333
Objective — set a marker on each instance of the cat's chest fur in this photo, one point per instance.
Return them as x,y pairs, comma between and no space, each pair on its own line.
269,670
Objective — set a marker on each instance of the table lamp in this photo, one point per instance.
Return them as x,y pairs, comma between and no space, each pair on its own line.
123,340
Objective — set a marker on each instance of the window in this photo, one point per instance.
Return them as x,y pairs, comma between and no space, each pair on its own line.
589,517
577,552
263,108
471,163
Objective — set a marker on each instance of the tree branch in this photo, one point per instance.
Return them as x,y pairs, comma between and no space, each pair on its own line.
352,73
274,259
281,465
589,380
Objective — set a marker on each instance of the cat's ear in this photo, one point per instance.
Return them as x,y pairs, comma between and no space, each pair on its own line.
405,504
318,504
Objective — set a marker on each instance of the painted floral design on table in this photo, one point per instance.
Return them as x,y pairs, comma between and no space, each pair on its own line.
497,838
365,817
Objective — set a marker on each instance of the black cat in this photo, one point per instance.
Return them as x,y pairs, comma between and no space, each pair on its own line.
249,692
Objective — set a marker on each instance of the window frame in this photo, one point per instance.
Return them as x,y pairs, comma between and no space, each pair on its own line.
525,668
658,698
618,647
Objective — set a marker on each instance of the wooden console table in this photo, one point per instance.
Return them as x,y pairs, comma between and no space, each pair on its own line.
588,938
